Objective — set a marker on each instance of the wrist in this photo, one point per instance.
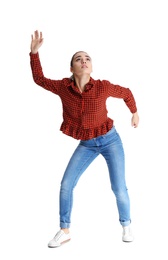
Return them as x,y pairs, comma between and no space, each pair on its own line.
135,113
34,52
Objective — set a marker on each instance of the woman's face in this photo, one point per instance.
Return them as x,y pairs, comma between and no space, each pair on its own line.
81,64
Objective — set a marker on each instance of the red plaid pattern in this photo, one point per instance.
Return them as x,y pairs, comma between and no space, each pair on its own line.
84,114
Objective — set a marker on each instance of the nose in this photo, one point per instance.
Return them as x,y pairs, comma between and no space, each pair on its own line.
83,61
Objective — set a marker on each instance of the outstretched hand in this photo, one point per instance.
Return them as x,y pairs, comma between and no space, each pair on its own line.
36,42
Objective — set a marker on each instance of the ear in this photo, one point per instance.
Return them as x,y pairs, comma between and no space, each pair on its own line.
71,69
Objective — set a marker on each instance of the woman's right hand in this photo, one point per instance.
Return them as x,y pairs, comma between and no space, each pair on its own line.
37,41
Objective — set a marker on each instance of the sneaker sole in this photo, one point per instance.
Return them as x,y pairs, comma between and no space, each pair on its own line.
60,244
127,240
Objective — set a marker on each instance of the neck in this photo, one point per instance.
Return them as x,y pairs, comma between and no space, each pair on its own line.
81,81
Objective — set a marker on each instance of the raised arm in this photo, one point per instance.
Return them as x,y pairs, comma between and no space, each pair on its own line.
36,41
37,72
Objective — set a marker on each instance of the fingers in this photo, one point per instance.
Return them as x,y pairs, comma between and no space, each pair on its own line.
41,36
37,35
135,125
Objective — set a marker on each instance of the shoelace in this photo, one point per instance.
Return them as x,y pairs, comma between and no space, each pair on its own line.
58,235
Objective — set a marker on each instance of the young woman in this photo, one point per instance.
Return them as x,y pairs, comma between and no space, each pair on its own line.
85,119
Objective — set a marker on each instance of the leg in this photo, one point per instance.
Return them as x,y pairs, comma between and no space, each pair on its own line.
80,160
114,156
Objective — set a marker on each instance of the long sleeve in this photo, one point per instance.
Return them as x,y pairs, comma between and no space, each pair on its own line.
38,76
118,91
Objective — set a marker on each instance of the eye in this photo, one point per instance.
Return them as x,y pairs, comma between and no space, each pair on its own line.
77,59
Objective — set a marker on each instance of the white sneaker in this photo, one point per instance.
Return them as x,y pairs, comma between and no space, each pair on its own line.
59,239
127,234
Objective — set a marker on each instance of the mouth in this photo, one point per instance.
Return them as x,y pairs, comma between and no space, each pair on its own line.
84,66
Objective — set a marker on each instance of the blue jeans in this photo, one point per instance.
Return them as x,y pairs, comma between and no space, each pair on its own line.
111,148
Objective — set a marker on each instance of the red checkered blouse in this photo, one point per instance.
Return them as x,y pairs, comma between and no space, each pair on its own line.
84,114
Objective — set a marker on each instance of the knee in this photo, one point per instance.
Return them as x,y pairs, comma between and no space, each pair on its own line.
66,187
121,194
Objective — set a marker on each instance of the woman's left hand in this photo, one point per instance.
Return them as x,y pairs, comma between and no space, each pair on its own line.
135,120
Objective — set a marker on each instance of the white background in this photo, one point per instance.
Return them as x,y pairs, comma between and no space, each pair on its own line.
127,41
